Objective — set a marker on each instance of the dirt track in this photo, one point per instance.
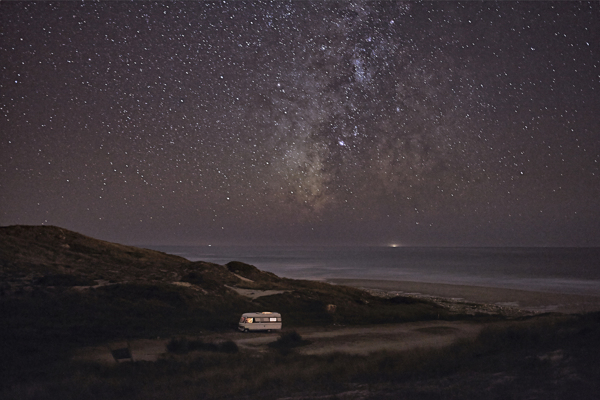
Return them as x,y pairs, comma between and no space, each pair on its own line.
364,340
354,340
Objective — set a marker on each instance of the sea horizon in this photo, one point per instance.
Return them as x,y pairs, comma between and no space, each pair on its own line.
568,270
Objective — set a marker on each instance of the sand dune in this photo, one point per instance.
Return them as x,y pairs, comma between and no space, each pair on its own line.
522,299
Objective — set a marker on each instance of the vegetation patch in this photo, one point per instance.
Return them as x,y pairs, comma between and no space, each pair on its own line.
288,341
44,319
184,346
64,280
547,357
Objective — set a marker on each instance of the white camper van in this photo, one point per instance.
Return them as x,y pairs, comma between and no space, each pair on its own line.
260,321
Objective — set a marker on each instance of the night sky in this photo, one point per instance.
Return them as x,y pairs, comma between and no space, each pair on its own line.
267,123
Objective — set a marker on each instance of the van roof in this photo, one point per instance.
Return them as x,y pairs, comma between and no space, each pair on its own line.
262,313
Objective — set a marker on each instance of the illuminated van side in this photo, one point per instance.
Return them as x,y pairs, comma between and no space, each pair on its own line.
260,321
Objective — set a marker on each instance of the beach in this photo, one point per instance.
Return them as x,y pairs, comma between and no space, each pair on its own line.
533,301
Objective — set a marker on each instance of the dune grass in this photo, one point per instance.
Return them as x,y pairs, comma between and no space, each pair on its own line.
43,327
551,357
44,318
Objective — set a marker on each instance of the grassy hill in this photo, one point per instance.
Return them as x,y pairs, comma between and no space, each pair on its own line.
115,285
65,289
60,290
38,251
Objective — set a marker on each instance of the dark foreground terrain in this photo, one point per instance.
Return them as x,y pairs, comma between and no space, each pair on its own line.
61,292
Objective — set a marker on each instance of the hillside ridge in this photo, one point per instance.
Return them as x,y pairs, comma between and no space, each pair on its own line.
168,293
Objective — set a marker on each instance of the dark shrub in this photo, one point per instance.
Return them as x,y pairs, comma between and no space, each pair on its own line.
65,280
229,347
196,345
206,280
166,294
178,346
200,345
195,278
287,341
242,268
405,300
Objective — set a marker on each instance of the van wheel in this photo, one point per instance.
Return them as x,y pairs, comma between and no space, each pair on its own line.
269,331
246,330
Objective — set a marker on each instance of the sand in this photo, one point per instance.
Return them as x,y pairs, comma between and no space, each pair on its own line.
405,336
522,299
254,293
360,340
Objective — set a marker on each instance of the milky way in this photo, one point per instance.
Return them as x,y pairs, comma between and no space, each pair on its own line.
442,123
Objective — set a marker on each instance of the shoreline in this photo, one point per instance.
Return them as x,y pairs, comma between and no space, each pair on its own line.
531,301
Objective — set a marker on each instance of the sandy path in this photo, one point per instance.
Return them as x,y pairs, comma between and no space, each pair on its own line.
397,337
368,339
353,340
364,340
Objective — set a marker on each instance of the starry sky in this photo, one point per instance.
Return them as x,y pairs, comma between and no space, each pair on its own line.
283,123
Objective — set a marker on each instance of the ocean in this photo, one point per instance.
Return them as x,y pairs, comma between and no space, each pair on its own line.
557,270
